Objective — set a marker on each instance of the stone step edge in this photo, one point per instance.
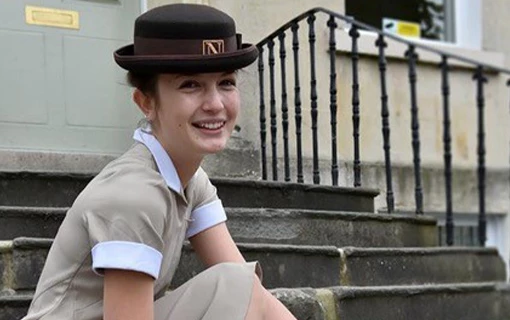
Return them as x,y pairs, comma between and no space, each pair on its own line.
409,251
414,290
328,297
287,213
85,177
361,291
14,298
35,243
45,243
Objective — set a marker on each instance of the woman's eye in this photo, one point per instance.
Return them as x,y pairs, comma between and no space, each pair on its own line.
228,82
189,85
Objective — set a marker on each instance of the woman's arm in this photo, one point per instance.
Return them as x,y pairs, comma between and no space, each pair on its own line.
215,245
128,295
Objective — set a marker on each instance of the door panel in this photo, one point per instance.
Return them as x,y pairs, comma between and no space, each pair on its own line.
21,69
61,89
92,100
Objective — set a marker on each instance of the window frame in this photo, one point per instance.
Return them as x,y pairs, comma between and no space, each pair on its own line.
467,26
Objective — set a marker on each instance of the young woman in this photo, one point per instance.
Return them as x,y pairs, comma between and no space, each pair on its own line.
117,250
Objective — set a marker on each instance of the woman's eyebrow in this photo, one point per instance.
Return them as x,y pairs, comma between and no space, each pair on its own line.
182,75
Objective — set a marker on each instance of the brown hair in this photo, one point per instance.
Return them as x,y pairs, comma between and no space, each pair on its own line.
145,82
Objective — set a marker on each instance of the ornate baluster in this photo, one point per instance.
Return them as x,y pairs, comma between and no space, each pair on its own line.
480,98
285,109
332,97
313,97
297,101
355,104
415,127
262,114
385,114
447,141
272,102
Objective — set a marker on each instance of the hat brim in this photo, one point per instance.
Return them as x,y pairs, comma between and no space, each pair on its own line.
241,58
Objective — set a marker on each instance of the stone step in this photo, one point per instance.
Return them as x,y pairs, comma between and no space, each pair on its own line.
46,189
14,306
300,266
480,301
335,228
281,226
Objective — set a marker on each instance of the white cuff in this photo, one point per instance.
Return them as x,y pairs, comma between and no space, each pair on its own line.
205,217
126,256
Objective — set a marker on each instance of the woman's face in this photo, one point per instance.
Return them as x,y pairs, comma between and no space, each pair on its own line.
195,114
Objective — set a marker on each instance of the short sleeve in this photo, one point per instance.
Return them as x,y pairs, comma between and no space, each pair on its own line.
125,217
207,210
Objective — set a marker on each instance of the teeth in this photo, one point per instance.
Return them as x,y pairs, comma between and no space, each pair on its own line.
211,126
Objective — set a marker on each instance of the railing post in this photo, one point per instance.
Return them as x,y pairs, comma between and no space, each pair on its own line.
285,109
272,102
332,92
480,99
415,128
385,114
262,114
313,98
447,140
354,34
297,102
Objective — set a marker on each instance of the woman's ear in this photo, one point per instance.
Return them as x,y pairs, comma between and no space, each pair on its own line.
144,102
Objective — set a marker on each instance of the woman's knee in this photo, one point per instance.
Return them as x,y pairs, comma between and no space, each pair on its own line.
231,270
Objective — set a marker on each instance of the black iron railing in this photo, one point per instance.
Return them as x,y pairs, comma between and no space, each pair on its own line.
266,47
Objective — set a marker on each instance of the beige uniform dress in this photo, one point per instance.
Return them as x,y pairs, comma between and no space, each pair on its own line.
134,215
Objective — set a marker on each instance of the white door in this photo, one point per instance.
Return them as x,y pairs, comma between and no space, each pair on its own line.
60,89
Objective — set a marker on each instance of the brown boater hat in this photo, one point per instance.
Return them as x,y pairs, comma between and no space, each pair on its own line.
185,38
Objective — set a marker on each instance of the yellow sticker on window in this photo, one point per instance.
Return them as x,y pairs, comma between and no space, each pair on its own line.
408,29
52,17
402,28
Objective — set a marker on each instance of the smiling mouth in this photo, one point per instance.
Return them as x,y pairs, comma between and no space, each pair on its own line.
210,125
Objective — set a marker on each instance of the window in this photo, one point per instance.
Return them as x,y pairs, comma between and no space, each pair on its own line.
452,21
466,235
432,16
466,232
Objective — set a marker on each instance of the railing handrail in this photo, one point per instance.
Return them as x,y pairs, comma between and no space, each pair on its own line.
288,25
412,58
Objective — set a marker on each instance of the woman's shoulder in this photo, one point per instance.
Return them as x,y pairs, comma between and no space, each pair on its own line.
130,180
201,190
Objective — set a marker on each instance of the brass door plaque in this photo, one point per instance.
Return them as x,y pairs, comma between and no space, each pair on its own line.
52,17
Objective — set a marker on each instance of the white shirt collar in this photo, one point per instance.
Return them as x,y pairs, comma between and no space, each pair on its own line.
163,161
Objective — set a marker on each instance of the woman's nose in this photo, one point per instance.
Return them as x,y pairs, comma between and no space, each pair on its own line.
213,101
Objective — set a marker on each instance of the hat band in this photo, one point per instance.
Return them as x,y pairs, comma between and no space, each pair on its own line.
206,47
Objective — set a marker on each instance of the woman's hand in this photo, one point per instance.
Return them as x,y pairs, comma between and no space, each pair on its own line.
128,295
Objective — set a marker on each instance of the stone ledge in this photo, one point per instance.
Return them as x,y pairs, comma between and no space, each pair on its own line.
468,302
239,159
367,252
61,189
297,266
278,226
